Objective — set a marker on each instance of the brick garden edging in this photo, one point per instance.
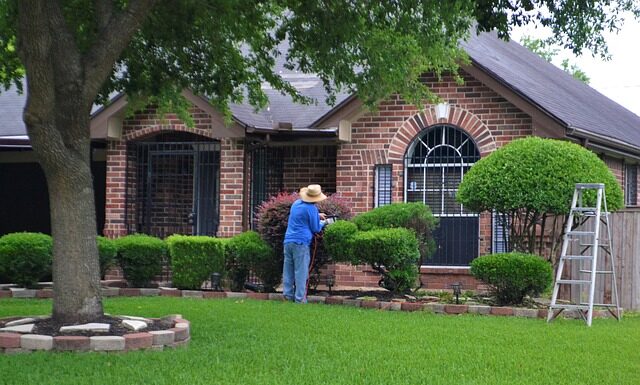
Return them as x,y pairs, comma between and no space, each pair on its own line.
178,335
432,307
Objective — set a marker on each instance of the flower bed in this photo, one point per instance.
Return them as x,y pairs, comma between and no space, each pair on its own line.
364,302
26,334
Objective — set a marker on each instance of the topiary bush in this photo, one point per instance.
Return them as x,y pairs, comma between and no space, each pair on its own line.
338,241
414,216
248,252
272,217
141,258
107,251
513,276
393,253
194,258
532,180
25,257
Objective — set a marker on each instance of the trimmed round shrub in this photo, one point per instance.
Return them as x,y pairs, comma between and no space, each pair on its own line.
107,252
194,258
338,241
248,252
141,258
536,174
414,216
25,257
513,276
393,253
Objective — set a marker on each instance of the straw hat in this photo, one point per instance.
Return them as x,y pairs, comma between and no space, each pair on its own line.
312,193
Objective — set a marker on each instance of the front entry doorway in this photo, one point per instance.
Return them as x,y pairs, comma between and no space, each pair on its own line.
173,188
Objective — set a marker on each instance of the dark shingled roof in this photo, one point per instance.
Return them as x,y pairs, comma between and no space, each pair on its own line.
11,106
572,102
282,109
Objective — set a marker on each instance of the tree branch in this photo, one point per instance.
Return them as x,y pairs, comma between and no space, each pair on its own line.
114,38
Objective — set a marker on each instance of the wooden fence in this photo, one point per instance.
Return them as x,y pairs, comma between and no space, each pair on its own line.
625,231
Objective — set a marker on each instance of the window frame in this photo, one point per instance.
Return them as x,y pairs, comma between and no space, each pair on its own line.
377,181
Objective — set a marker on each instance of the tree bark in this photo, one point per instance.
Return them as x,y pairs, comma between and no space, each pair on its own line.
62,84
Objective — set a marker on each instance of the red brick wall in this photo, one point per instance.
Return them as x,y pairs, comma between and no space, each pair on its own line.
305,165
383,137
147,124
231,187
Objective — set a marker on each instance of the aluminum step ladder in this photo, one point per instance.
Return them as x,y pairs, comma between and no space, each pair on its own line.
583,233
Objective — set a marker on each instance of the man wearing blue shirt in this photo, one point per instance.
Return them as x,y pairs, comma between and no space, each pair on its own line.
304,221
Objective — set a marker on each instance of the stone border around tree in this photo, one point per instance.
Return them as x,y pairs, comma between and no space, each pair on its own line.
178,335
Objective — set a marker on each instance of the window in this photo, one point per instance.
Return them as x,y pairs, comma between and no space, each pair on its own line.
631,185
435,164
382,188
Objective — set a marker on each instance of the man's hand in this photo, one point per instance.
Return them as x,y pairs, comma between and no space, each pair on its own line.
323,216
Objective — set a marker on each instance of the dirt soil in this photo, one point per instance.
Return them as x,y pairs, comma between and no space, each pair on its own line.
46,326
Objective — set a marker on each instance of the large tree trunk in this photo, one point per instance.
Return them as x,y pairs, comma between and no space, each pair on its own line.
62,83
76,271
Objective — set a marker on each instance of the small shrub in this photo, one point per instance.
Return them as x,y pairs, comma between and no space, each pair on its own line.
194,258
25,257
107,252
513,276
140,257
414,216
248,252
338,241
393,253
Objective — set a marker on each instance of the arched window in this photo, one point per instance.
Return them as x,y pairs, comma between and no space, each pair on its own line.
435,164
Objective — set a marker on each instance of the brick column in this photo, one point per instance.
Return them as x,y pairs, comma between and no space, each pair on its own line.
231,187
115,225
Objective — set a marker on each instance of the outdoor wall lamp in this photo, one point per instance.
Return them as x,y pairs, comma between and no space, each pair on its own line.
331,281
457,286
215,282
442,111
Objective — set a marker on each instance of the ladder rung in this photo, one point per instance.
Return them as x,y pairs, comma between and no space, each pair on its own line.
574,281
584,209
597,271
574,232
565,306
600,304
577,257
582,186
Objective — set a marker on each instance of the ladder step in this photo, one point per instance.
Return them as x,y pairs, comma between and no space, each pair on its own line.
571,307
600,304
583,257
598,271
573,282
582,186
579,233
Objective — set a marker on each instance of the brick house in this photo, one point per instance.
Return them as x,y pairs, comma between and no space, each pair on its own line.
156,175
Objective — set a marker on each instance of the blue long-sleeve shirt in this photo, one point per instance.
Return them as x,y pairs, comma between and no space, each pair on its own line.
304,221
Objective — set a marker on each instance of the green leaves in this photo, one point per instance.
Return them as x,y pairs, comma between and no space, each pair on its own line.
535,174
513,275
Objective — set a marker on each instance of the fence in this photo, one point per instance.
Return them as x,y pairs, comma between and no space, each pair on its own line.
625,230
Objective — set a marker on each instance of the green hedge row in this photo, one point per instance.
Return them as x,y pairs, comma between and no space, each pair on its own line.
25,258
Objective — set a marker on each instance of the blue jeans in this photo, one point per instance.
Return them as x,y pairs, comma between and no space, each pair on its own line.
295,271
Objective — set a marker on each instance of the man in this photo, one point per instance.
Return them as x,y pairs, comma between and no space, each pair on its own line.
304,221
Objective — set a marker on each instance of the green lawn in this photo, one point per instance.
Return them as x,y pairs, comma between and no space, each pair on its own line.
267,342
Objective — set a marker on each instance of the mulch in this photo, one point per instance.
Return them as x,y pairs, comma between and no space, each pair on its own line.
46,326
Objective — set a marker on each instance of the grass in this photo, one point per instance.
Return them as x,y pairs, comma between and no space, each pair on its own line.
266,342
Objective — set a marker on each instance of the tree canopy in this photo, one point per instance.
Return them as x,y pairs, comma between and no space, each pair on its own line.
532,180
75,53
